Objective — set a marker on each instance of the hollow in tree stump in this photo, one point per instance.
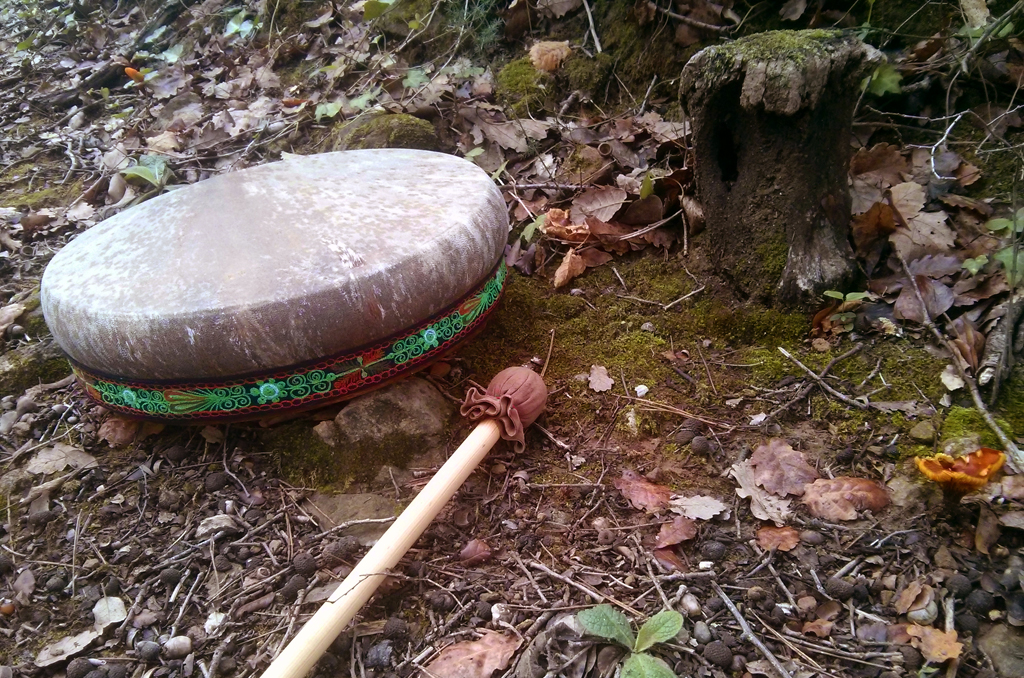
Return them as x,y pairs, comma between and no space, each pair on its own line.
771,116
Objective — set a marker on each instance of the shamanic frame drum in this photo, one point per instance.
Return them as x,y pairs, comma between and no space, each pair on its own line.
288,285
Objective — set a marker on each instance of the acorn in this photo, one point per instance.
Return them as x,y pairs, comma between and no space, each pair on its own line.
713,550
958,584
718,653
216,481
840,589
292,587
304,563
700,445
78,667
980,602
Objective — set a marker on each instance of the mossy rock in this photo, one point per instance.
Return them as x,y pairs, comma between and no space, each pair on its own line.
523,88
586,74
40,362
964,429
386,130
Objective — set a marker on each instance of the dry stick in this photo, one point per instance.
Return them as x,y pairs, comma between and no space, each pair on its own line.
706,368
803,392
593,30
748,634
594,595
821,382
1016,459
551,346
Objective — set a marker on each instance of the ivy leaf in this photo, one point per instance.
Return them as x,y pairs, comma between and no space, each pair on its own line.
885,80
1005,257
642,665
834,294
414,78
235,24
974,265
172,54
531,228
362,102
646,187
607,622
327,110
373,9
659,628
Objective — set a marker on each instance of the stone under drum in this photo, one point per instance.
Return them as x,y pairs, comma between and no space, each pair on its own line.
285,286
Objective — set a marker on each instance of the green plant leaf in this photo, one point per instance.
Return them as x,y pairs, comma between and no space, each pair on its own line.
414,78
857,296
643,665
141,172
172,54
235,24
885,80
659,628
473,152
328,110
834,294
974,265
373,9
646,187
531,228
607,622
362,102
1005,257
998,224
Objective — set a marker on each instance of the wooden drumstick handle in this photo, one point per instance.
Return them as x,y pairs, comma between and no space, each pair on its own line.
312,641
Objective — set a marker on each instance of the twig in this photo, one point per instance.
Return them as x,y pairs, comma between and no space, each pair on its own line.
1016,459
748,634
683,298
706,368
593,30
691,22
621,281
591,593
821,382
551,346
550,436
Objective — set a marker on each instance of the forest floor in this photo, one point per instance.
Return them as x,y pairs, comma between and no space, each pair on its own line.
750,468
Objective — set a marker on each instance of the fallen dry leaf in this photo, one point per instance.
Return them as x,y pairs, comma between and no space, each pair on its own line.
8,314
818,627
763,505
936,646
594,257
476,551
937,300
57,458
669,559
840,498
698,507
474,658
780,469
548,55
557,225
601,203
882,165
915,596
119,431
572,265
642,493
779,538
987,533
679,530
599,380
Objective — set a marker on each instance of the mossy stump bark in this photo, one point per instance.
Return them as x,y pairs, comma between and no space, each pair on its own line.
772,116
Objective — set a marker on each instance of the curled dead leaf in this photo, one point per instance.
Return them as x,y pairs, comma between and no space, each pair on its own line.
679,530
572,265
840,498
779,538
936,646
642,493
780,469
548,55
474,658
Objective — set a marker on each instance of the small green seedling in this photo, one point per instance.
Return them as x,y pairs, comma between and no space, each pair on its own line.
846,318
607,622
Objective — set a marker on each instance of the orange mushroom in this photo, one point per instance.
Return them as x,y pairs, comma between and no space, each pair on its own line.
960,475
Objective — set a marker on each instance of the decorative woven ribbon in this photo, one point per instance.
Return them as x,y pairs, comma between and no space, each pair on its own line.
301,386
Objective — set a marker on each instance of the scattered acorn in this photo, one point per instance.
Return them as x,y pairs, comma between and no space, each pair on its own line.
78,667
912,659
216,481
170,576
148,651
713,550
980,602
840,589
292,587
958,584
700,445
304,563
718,653
967,623
396,628
117,670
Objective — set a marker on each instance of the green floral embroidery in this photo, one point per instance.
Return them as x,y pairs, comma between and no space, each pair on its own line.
294,389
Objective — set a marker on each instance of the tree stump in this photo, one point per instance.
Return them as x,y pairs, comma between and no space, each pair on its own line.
772,116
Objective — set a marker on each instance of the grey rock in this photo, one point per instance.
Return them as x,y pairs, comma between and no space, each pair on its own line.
218,523
1004,646
701,633
387,130
341,508
923,432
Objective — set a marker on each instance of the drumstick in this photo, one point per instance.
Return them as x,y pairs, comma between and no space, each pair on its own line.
513,400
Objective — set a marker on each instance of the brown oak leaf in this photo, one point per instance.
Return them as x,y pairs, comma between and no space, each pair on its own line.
474,658
936,646
679,530
840,498
780,469
818,627
643,494
779,538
